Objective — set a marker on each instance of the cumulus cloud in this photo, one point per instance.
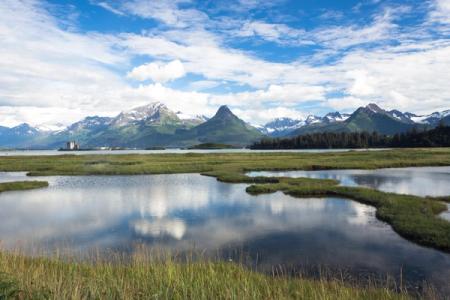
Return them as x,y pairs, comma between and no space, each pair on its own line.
158,71
281,94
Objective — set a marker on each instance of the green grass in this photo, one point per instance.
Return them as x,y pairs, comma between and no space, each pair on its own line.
22,185
143,278
212,146
221,162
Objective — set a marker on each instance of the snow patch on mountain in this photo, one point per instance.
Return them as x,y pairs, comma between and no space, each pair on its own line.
148,113
51,127
182,116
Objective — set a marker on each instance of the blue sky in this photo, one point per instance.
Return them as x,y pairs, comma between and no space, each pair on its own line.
63,60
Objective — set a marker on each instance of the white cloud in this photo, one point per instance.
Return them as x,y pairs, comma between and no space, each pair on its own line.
204,84
207,57
45,66
192,103
165,11
279,33
158,71
346,36
362,83
107,6
263,115
345,103
415,81
440,11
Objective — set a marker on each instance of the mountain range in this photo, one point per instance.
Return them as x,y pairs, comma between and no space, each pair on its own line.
155,125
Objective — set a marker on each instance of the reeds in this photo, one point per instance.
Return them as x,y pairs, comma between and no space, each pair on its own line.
150,274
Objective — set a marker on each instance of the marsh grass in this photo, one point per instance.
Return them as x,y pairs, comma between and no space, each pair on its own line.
21,185
221,162
157,275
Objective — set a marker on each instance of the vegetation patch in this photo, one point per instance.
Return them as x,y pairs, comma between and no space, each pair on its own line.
144,278
212,146
22,185
436,137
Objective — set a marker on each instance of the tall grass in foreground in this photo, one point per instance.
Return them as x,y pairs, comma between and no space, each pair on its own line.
144,277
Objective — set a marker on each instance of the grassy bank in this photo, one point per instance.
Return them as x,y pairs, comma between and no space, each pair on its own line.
221,162
22,185
39,278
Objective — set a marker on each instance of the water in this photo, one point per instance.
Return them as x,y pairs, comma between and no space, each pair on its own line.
173,151
184,211
420,181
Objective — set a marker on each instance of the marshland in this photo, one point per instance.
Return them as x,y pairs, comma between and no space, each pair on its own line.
263,233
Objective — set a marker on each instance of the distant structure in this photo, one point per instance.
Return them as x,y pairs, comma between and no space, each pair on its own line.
72,145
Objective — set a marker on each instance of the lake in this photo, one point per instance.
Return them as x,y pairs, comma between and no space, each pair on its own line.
168,151
186,211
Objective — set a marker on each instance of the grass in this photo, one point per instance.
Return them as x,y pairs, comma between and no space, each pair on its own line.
22,185
221,162
212,146
412,217
143,278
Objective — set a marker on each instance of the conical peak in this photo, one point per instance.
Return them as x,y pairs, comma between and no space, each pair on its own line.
224,110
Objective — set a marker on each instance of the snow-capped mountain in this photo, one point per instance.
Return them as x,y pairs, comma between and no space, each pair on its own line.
404,117
23,129
151,113
50,127
11,137
284,126
156,124
431,119
89,123
280,126
194,119
335,117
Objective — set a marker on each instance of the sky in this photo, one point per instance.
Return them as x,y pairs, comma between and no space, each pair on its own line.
63,60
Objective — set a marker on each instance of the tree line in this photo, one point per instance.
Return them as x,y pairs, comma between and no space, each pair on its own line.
437,137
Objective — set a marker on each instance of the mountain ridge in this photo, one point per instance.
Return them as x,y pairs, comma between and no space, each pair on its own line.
155,124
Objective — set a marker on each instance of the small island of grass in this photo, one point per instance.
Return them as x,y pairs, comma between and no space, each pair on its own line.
213,146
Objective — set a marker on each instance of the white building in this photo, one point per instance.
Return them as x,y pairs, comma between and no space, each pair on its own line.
72,145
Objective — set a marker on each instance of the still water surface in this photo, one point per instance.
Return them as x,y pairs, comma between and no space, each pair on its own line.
420,181
187,210
170,150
